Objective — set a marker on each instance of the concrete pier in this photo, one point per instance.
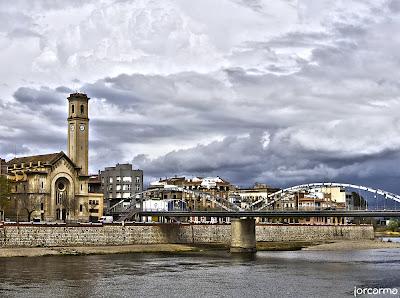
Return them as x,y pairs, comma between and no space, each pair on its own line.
243,235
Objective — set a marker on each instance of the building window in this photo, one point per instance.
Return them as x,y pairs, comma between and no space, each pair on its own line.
81,186
127,179
138,180
126,187
118,187
73,109
41,206
82,109
137,187
80,208
110,179
118,179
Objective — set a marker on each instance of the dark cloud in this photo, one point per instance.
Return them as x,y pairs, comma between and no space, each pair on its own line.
63,89
119,132
14,22
34,98
23,33
308,95
244,160
296,39
394,5
256,5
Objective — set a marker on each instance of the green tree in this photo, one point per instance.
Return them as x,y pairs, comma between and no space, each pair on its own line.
359,201
393,225
5,192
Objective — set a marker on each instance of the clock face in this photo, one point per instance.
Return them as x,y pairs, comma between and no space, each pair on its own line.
82,127
72,127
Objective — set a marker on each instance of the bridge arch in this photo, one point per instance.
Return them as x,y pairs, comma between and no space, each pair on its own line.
219,201
385,194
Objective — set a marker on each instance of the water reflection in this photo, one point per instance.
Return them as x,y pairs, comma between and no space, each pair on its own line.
390,239
206,274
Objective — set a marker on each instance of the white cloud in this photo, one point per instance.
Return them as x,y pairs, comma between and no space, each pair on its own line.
274,91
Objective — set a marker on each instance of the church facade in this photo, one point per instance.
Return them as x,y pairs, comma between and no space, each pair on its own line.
55,187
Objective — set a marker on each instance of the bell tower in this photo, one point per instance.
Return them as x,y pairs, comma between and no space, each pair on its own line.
78,130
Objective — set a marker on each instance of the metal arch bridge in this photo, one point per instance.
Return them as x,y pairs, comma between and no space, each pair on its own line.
273,213
385,194
232,207
219,201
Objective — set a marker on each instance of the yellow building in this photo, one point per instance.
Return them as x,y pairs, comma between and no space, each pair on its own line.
259,192
54,187
218,189
335,194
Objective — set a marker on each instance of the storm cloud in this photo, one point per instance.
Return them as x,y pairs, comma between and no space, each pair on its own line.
280,92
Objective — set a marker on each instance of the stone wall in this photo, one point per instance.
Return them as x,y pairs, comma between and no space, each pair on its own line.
309,233
47,236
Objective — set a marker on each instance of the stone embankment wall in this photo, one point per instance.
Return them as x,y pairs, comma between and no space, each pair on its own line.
48,236
309,233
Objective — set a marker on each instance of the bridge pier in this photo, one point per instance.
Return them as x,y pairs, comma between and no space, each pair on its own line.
243,235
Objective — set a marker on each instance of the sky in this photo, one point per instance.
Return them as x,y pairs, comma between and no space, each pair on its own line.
280,92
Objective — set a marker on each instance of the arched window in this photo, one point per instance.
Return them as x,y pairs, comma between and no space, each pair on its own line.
73,108
82,109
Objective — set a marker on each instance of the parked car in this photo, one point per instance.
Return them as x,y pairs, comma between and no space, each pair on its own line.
106,219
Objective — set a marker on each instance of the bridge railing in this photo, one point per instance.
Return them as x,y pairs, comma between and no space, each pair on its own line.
219,201
273,196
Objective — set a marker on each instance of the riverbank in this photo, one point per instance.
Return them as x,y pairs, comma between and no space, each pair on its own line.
98,250
340,245
353,245
145,248
387,234
287,245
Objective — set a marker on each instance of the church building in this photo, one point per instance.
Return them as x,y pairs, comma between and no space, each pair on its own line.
55,187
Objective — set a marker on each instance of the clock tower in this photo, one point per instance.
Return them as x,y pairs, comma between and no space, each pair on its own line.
78,131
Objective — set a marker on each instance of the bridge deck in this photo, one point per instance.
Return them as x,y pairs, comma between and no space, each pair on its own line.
273,214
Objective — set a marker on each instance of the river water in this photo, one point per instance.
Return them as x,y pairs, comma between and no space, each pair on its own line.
201,274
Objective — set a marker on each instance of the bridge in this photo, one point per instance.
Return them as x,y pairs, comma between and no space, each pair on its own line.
262,204
277,196
273,214
128,213
243,220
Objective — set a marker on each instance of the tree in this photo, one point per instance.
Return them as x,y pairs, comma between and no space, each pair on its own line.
70,204
5,193
393,225
29,204
359,201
